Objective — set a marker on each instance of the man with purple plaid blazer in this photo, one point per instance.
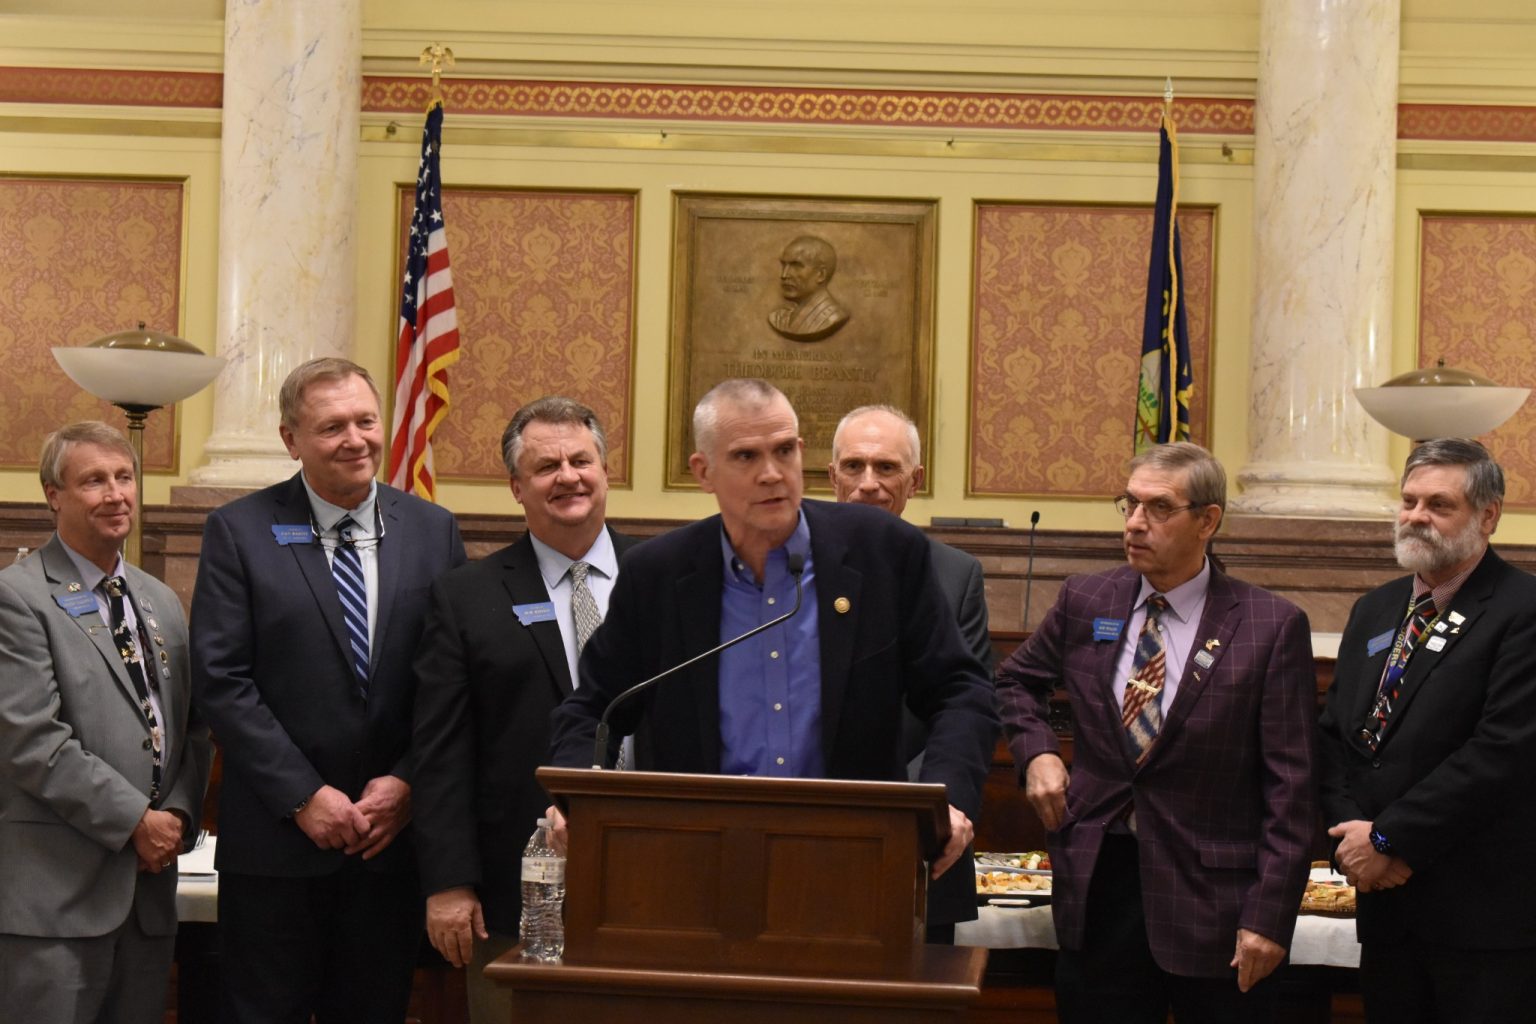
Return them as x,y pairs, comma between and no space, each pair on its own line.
1180,840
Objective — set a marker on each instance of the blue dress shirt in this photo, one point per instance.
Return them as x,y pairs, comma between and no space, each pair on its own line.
770,686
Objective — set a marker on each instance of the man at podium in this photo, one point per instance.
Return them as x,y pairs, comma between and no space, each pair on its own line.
817,696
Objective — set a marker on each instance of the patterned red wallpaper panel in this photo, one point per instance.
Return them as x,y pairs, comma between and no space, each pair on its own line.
1056,342
79,259
544,284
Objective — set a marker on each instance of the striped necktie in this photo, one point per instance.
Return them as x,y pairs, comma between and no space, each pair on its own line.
1142,712
347,570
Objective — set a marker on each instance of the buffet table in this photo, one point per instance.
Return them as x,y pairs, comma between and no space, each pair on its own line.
1323,940
1328,941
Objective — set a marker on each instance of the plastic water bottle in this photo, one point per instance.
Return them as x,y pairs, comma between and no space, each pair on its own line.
543,927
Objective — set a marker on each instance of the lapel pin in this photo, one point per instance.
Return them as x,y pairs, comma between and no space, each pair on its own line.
841,605
73,588
1212,644
1456,618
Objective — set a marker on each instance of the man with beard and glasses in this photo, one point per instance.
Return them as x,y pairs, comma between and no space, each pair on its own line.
1428,753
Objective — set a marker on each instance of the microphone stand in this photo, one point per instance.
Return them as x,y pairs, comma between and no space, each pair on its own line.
600,743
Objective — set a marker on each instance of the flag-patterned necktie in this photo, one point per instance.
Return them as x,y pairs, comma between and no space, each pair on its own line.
584,611
1420,615
347,569
128,649
1142,713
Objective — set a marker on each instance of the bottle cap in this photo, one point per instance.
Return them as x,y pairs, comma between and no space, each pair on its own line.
543,822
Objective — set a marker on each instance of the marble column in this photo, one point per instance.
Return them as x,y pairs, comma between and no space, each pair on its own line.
1325,161
288,202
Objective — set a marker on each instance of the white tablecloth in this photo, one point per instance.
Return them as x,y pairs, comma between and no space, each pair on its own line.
197,884
1329,941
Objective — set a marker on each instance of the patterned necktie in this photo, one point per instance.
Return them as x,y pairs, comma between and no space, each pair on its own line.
128,649
583,606
347,570
587,618
1142,714
1420,615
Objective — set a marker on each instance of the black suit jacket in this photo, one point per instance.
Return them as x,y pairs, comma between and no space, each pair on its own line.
270,669
486,687
1451,784
896,645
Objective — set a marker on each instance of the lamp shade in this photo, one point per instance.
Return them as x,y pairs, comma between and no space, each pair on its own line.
1441,401
139,368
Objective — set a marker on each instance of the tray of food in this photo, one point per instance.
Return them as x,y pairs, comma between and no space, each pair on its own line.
1328,897
1031,860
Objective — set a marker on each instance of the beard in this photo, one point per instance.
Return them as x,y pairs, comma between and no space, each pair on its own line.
1424,550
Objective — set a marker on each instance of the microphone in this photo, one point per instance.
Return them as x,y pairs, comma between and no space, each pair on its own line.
600,744
1029,569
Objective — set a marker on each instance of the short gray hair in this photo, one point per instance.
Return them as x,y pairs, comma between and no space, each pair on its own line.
1485,480
750,392
549,409
914,443
1206,481
291,395
56,446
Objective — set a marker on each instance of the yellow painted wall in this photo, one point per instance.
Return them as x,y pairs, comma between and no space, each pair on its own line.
1476,51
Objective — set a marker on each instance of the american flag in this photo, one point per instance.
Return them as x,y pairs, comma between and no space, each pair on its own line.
429,327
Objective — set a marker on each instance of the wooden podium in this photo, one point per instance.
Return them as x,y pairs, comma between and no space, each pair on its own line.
710,897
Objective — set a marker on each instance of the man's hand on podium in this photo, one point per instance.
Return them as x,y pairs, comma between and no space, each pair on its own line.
454,922
557,834
961,832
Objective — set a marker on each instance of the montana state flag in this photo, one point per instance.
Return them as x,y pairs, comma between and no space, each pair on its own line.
1162,394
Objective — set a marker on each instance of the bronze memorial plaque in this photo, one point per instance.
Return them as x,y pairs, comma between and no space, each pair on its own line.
831,300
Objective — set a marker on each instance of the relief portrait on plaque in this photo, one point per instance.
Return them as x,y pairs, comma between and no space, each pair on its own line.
805,270
830,300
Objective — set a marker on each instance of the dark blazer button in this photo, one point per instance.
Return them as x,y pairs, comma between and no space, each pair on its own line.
1376,763
146,744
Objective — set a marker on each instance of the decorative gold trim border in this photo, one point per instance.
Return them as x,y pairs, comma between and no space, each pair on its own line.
755,104
909,108
112,87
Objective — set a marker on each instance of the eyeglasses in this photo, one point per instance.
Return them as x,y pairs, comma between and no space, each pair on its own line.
1157,511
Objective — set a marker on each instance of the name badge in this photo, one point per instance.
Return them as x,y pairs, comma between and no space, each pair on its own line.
1107,629
527,614
289,533
1376,644
76,604
1435,643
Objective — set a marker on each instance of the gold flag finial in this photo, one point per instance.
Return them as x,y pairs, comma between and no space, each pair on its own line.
439,57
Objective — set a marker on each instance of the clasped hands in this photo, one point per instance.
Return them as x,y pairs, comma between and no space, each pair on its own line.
334,822
1363,867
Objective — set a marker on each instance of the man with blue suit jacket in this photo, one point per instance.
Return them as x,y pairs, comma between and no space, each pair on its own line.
1429,752
1181,840
103,760
819,696
307,613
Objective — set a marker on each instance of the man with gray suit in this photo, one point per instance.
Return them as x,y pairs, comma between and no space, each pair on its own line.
877,460
104,761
